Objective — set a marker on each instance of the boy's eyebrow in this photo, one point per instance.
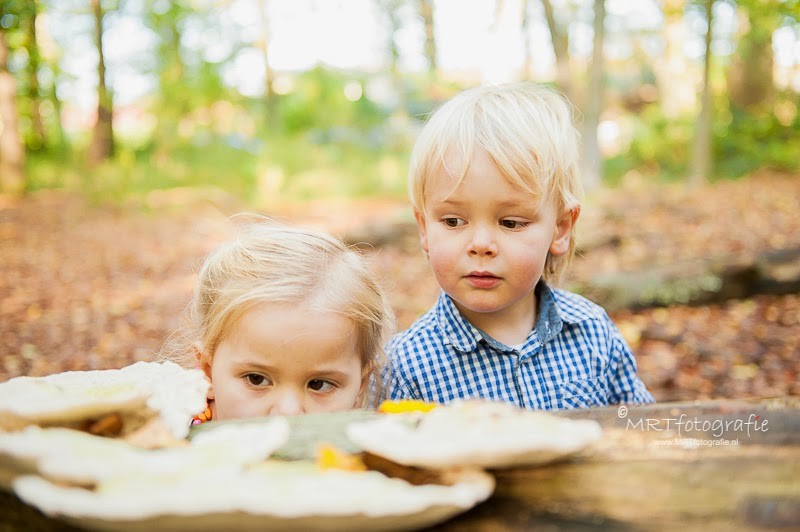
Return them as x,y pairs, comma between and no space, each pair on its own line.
518,203
529,204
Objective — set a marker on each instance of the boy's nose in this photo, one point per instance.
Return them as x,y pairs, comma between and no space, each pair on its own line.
286,403
483,242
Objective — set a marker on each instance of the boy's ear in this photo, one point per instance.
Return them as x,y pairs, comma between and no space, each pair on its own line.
422,229
563,231
204,363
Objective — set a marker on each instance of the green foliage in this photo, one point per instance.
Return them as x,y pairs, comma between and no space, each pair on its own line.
134,175
314,141
222,147
747,141
310,169
659,147
743,141
319,102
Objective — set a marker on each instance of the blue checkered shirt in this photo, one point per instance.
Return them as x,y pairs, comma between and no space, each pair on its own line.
574,357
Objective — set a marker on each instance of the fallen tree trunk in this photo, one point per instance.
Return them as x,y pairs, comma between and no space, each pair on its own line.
722,465
698,282
691,282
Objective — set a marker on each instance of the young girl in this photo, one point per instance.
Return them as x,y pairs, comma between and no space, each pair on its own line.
286,321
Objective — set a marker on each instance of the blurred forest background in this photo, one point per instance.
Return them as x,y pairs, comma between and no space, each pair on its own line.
131,129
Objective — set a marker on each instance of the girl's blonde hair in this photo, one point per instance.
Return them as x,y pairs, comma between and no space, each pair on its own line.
528,131
271,262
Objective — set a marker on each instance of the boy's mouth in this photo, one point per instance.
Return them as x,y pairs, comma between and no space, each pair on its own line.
482,279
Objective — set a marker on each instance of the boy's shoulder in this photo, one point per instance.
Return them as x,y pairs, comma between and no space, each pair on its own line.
575,308
426,325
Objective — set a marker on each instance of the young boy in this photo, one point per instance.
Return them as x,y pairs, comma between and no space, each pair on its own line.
494,186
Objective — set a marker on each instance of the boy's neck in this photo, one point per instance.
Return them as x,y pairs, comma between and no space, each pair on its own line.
509,326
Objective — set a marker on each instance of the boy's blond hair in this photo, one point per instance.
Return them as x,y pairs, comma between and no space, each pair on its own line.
528,131
275,263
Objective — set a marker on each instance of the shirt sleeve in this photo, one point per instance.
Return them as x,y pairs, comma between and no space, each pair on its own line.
625,384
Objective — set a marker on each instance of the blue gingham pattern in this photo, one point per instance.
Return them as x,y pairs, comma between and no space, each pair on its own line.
574,357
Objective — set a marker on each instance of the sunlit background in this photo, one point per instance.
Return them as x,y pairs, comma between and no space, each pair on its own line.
265,77
113,186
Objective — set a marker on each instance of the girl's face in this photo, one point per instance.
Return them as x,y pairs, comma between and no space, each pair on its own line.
285,359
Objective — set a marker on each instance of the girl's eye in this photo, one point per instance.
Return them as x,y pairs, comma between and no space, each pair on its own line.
319,385
453,222
513,224
256,380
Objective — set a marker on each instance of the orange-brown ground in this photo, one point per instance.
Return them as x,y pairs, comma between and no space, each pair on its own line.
91,287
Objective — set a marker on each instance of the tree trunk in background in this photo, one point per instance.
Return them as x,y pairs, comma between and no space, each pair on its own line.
60,138
675,98
174,102
56,137
592,161
701,149
394,26
527,62
34,61
560,41
269,93
12,154
102,143
750,74
426,11
172,75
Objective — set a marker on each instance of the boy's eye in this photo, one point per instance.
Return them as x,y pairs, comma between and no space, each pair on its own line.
257,380
513,224
319,385
453,221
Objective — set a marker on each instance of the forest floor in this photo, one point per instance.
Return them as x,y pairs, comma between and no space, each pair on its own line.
94,287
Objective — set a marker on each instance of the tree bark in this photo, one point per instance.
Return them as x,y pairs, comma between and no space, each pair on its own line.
12,152
633,479
674,98
527,61
592,160
750,74
102,143
34,62
700,282
391,7
270,106
426,11
560,42
701,150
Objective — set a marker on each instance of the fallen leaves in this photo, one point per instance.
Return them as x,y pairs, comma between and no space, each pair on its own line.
96,287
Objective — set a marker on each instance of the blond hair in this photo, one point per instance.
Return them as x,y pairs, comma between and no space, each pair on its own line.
276,263
528,131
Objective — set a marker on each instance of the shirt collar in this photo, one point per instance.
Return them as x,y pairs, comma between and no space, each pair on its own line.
464,336
551,319
456,330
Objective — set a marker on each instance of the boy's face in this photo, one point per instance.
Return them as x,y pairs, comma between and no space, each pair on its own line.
488,240
285,359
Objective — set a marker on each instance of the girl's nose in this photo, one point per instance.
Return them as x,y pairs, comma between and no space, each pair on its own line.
483,242
287,403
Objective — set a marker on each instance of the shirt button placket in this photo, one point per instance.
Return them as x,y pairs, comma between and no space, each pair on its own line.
527,385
